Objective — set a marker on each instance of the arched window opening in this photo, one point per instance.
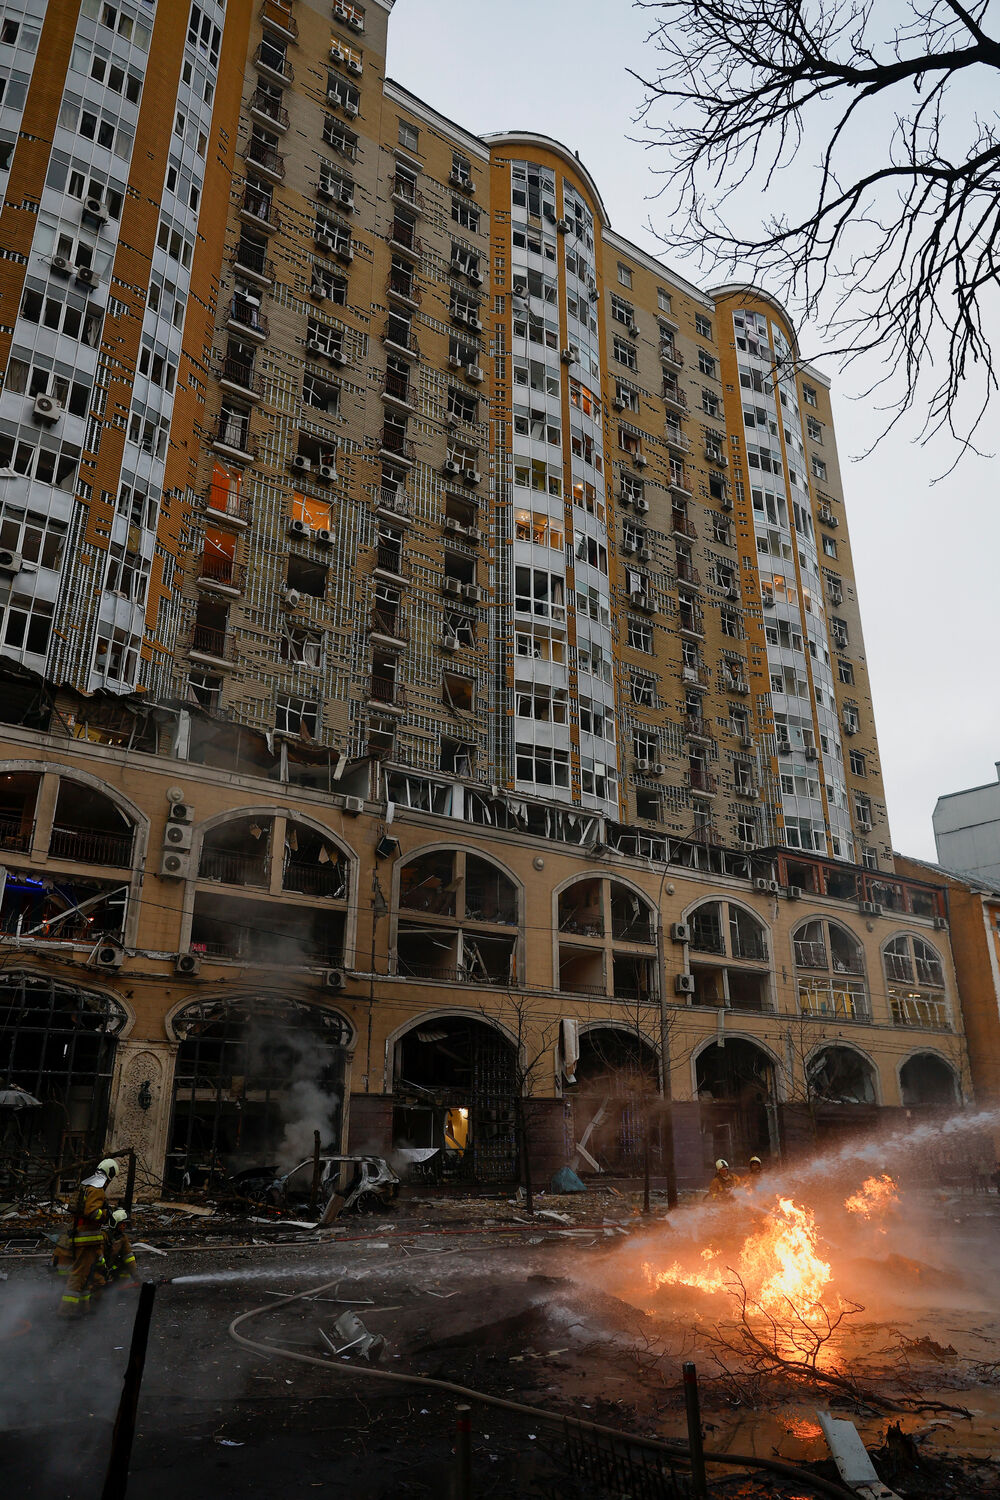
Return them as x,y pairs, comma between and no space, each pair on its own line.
614,1102
89,827
737,1090
914,976
254,1079
18,797
738,939
606,930
454,1091
237,852
313,865
839,1075
456,912
927,1080
57,1043
830,971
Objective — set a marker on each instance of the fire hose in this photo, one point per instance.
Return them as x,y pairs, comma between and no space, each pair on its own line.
679,1451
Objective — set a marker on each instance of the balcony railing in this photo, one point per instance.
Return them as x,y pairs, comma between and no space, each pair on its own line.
580,987
229,503
584,924
265,156
13,835
405,190
328,880
386,690
632,929
269,58
210,642
258,205
392,499
681,526
687,573
696,674
749,945
402,337
671,356
233,434
399,285
397,385
405,237
232,868
91,848
412,969
678,478
484,903
694,724
706,939
846,1000
397,443
701,781
691,620
810,955
219,570
264,104
671,393
247,257
278,14
248,315
389,558
240,372
391,623
648,994
919,1010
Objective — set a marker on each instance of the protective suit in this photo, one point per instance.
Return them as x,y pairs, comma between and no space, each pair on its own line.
723,1182
79,1251
117,1262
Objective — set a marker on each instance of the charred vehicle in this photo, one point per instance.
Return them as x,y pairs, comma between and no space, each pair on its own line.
347,1184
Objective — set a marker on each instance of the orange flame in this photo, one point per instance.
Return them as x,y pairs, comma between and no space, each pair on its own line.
874,1196
778,1264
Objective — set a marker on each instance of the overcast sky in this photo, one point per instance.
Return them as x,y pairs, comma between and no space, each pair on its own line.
926,555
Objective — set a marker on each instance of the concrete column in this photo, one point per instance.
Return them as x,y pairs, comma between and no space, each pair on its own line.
45,810
277,853
130,1124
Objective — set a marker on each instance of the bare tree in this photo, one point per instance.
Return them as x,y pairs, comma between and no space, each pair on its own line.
534,1034
892,244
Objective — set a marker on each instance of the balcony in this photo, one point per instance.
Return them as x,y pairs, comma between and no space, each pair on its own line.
213,644
404,191
386,692
671,356
392,502
677,440
629,929
229,505
91,847
270,61
232,437
674,397
690,622
840,639
231,868
238,375
266,159
252,261
246,318
686,573
400,337
267,108
329,880
702,781
397,388
695,727
258,210
279,18
390,560
749,945
14,836
389,627
404,287
396,445
404,238
809,955
679,480
681,526
695,677
220,573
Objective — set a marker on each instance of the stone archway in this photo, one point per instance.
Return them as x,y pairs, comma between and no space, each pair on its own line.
926,1080
254,1077
737,1089
617,1084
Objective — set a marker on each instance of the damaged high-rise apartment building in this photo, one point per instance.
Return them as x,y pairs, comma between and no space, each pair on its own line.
428,633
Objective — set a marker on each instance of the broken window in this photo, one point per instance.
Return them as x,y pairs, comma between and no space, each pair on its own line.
616,1082
468,896
89,827
830,951
926,1079
306,576
839,1075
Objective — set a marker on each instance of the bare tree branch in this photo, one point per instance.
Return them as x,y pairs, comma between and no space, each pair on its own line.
893,250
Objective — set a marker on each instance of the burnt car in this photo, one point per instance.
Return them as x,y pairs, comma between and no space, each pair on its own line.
347,1184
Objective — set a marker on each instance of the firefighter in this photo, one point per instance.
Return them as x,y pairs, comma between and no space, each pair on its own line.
78,1255
755,1166
724,1181
118,1263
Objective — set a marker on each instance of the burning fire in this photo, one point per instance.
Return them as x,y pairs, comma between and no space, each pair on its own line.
873,1197
778,1264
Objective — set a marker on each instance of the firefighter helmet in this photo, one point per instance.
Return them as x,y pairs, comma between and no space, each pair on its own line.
119,1216
109,1167
721,1165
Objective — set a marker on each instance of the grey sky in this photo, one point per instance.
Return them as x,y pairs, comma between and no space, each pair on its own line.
925,554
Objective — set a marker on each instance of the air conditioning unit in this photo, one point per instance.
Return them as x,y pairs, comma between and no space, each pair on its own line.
177,836
319,291
475,276
452,466
641,504
356,22
323,241
643,765
336,53
351,110
450,419
474,534
316,346
337,357
684,984
570,355
640,600
454,363
180,812
108,956
449,641
47,409
341,12
95,211
324,536
812,753
794,892
187,964
298,528
452,586
344,253
644,555
10,562
327,472
175,794
175,865
680,932
471,476
450,524
346,198
474,323
520,289
291,598
334,979
475,374
766,887
767,600
618,405
353,66
563,226
658,768
87,276
940,924
301,464
472,593
871,908
354,805
62,265
641,461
